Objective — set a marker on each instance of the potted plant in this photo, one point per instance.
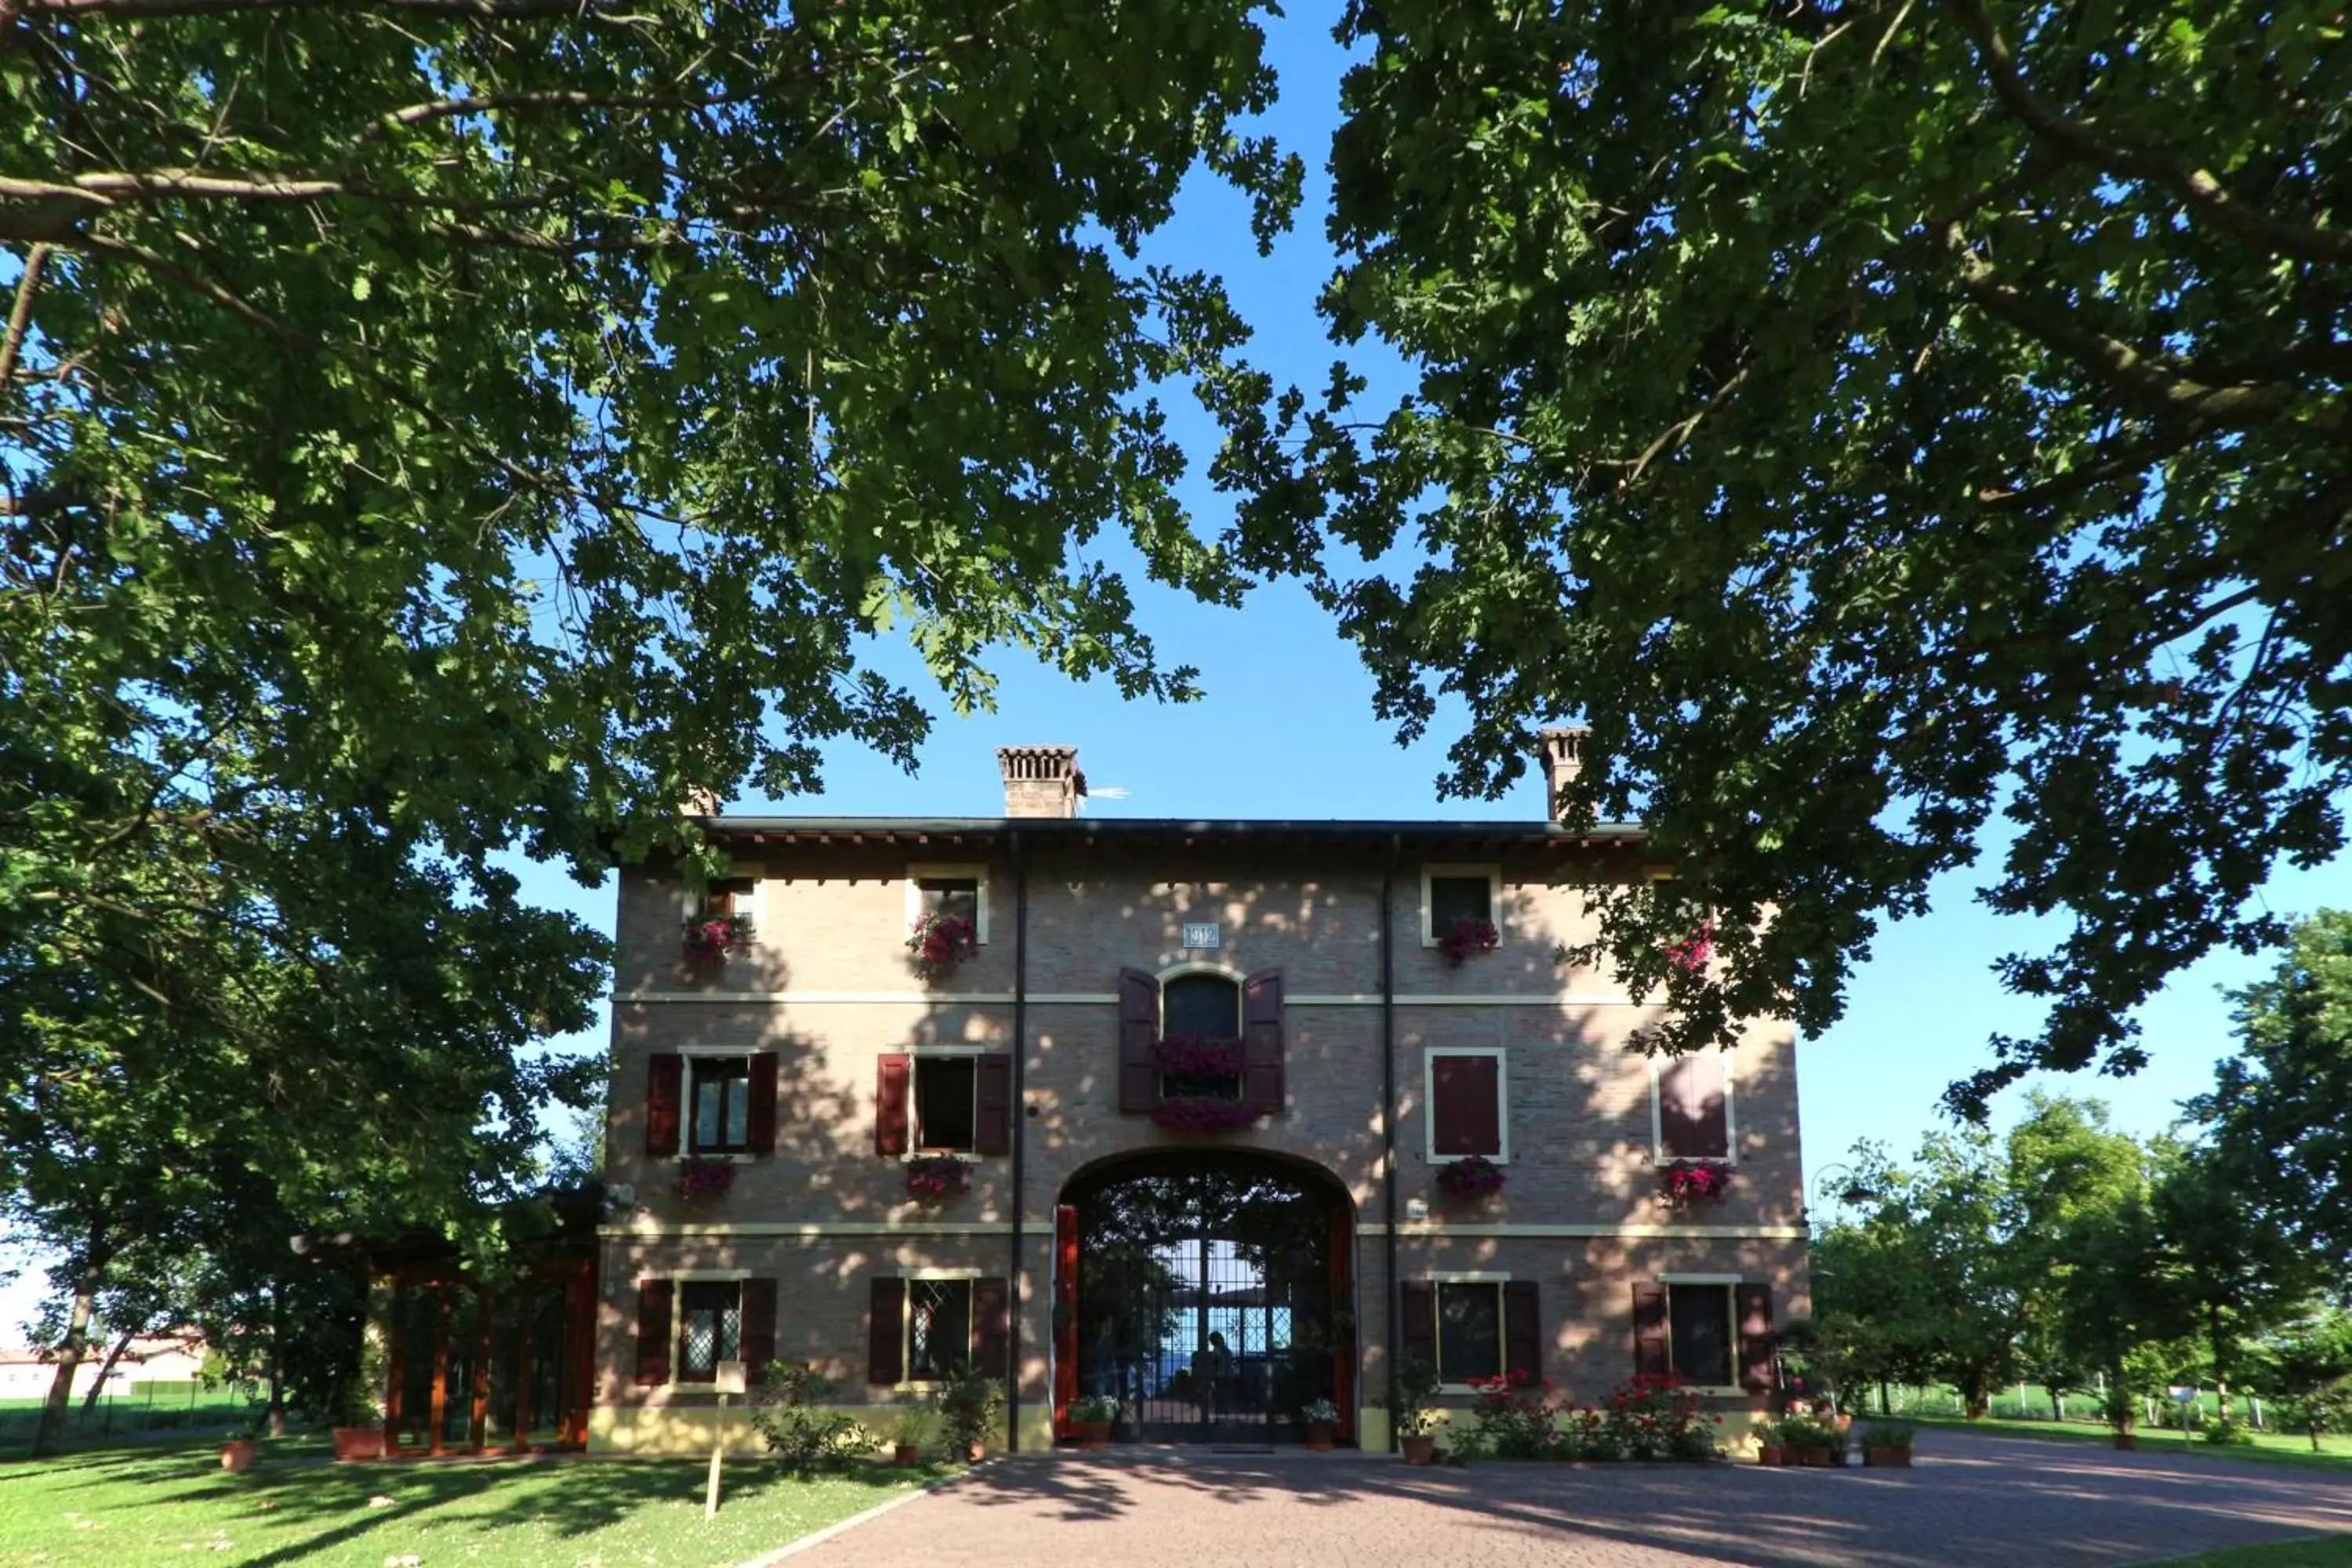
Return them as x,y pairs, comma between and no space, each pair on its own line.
907,1435
1813,1442
938,942
1092,1415
1771,1442
970,1406
359,1435
706,943
1416,1410
1321,1415
1685,1182
934,1176
1470,1177
1467,940
1886,1445
241,1450
703,1178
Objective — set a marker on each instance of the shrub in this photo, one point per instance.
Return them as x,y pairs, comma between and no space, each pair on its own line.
2230,1431
970,1403
1416,1396
1806,1432
1654,1417
1093,1407
1319,1413
1512,1420
1889,1435
785,1413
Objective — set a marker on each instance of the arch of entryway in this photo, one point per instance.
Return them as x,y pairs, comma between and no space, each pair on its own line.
1209,1290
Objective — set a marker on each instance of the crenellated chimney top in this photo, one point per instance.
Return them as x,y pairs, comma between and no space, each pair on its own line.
1562,749
1041,781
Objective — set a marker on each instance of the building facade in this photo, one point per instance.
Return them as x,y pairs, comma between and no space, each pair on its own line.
1168,1111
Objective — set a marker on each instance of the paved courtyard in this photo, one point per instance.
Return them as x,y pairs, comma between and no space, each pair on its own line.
1968,1500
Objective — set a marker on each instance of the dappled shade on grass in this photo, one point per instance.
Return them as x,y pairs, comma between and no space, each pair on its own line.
128,1509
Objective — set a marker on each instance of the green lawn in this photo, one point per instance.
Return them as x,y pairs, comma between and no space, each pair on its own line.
2327,1552
135,1509
2268,1447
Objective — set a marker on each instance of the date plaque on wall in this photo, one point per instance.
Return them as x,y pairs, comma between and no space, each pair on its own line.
1200,934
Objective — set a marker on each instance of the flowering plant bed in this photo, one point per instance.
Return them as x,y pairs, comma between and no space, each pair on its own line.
706,942
936,1176
703,1178
1515,1416
1202,1114
1198,1056
1471,1177
1689,1182
1467,940
939,943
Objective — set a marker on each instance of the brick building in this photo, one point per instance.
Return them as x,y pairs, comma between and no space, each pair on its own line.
1169,1126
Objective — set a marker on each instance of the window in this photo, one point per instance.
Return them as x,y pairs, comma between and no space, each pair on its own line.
1469,1330
1702,1334
960,891
709,1328
945,1098
1450,894
939,1328
1202,1007
721,1094
1468,1106
1691,1100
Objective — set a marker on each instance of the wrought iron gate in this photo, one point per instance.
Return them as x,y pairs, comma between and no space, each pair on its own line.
1206,1301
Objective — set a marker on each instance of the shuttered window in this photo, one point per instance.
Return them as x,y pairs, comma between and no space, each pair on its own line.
1707,1332
1694,1107
1466,1107
922,1330
1474,1329
945,1101
940,1104
720,1091
709,1328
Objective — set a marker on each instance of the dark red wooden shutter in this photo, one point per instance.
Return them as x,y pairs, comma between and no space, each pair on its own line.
886,1330
1465,1106
1262,1085
1417,1320
665,1098
1139,1040
758,1337
1523,1329
895,1080
1650,1345
1757,1340
1691,1119
992,1131
761,1129
653,1332
991,1326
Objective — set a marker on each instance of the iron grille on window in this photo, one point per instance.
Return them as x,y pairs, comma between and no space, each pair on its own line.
939,1327
712,1329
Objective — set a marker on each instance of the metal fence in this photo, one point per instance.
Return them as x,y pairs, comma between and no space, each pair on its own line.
140,1411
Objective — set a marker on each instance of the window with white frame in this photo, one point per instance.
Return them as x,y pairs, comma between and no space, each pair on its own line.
718,1097
939,1328
958,892
947,1098
1452,894
1469,1330
1703,1331
709,1327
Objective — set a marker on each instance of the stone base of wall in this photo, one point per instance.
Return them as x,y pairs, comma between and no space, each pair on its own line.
687,1431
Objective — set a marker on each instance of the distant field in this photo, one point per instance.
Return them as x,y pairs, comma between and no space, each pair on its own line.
143,1408
2268,1447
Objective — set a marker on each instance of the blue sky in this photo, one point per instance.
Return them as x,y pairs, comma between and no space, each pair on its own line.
1287,730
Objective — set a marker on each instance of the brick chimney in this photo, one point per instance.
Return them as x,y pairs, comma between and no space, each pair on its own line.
1562,750
1041,781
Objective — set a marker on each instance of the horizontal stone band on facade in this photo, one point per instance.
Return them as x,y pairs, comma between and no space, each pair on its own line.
1108,999
818,1231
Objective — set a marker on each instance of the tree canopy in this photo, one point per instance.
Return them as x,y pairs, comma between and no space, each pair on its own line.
1873,419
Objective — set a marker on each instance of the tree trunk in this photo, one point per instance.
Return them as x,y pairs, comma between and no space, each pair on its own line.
2057,1402
1885,1401
97,1384
1976,1398
2219,1344
276,1365
50,1437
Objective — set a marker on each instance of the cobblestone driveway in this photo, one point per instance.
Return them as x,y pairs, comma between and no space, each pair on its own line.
1970,1501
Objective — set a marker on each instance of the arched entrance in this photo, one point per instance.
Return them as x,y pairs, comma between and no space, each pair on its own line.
1209,1291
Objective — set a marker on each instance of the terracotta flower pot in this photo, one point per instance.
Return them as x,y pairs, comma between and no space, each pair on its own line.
1772,1455
359,1443
1887,1458
979,1452
1817,1458
1318,1437
905,1454
238,1454
1093,1436
1419,1450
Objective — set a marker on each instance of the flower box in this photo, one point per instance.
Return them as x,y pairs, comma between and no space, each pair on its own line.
1693,953
938,942
1198,1056
706,942
703,1178
938,1176
1691,1181
1469,939
1471,1177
